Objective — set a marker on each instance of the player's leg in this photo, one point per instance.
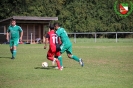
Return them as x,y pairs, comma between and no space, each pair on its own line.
62,50
14,52
74,57
11,43
60,59
58,63
15,44
57,54
11,46
58,49
11,50
50,55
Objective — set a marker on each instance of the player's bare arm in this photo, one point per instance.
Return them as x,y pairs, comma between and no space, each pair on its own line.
21,35
7,36
46,42
59,40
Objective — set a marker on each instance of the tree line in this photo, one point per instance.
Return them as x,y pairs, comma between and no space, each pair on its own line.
74,15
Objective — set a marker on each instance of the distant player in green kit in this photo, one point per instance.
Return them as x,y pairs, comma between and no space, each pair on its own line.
13,37
66,44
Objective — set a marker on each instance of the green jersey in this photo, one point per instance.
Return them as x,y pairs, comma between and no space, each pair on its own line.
63,36
14,31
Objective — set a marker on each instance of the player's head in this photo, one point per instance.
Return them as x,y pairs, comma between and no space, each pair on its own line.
51,27
56,25
13,22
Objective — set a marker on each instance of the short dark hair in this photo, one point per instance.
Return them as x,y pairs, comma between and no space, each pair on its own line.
56,24
51,27
13,20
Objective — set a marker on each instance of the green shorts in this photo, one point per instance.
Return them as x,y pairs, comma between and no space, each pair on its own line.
67,48
14,42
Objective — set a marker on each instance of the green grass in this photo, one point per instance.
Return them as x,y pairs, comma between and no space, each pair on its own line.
103,40
107,65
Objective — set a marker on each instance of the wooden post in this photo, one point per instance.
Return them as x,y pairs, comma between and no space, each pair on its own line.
4,30
95,37
34,33
27,33
31,39
39,32
116,38
75,38
43,34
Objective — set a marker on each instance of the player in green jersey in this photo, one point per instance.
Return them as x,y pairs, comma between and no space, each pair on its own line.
13,37
66,44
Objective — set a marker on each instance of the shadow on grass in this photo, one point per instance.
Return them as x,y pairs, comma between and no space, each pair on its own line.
6,57
47,68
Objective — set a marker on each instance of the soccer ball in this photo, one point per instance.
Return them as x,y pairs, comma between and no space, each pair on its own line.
44,64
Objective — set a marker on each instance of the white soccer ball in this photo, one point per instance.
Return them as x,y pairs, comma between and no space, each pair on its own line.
44,64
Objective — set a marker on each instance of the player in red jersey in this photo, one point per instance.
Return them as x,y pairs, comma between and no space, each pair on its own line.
54,48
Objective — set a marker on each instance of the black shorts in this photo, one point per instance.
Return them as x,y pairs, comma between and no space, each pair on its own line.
58,47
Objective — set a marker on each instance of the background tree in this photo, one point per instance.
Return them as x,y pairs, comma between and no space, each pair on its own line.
74,15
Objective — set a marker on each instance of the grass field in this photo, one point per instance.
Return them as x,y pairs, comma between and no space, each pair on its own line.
107,65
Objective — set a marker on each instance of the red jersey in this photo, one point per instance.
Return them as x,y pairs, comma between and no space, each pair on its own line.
53,39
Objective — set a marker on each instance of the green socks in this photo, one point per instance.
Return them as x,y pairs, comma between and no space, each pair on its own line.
75,58
60,59
14,53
